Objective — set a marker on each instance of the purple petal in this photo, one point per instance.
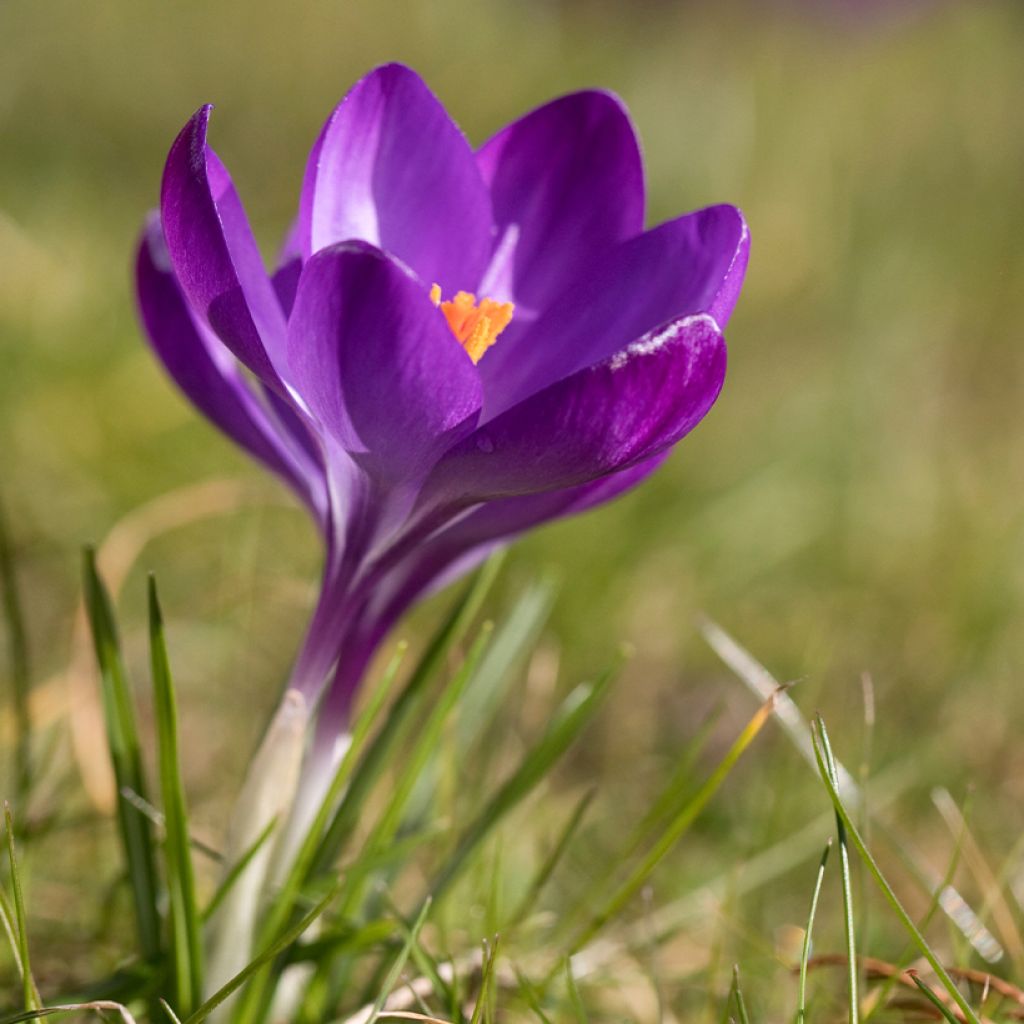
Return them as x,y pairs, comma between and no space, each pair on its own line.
689,266
505,519
377,364
602,419
455,551
463,545
566,180
295,426
391,168
214,254
289,265
208,374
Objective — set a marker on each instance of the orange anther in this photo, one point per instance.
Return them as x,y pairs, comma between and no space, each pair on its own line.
476,326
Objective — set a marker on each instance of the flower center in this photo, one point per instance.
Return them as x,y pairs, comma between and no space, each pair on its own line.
475,325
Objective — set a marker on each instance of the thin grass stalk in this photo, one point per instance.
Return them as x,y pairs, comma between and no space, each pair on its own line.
29,992
186,937
324,838
395,972
237,869
530,997
853,976
820,746
932,998
569,721
805,950
490,963
554,858
760,681
674,831
956,821
384,831
231,986
18,666
741,1003
575,999
377,754
881,994
360,769
126,755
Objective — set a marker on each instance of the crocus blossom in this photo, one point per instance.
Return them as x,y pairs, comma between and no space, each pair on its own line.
456,346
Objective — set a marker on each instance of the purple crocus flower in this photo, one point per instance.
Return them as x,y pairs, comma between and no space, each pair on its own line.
422,427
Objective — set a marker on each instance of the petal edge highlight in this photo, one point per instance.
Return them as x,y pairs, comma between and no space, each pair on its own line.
215,257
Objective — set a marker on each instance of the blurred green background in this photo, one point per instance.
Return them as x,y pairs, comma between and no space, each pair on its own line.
853,504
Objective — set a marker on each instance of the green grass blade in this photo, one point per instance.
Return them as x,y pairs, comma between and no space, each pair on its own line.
427,741
430,970
395,971
480,1010
665,807
667,803
554,858
568,722
383,834
186,939
266,956
530,997
844,868
820,747
513,640
171,1015
377,755
737,994
29,992
805,950
283,908
376,934
905,958
793,724
17,646
126,755
9,920
236,870
575,999
361,769
932,998
675,829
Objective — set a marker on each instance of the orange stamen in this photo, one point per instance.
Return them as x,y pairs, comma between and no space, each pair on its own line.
476,326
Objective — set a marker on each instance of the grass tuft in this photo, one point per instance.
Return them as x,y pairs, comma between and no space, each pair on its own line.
126,754
824,756
29,992
186,940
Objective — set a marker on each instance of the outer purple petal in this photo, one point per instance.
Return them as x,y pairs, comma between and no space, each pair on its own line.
458,548
289,265
566,180
692,265
391,168
602,419
453,552
505,519
208,374
214,254
376,363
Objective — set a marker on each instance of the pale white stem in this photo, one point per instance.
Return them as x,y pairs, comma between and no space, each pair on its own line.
267,793
318,771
